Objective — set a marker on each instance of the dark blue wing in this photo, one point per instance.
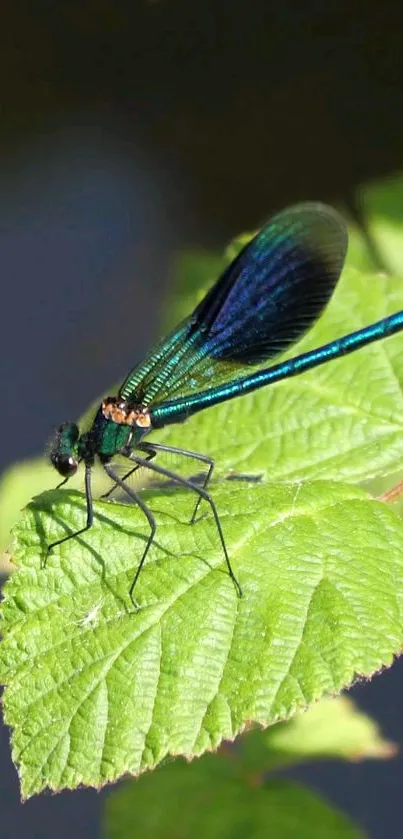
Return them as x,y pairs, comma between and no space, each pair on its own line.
264,301
277,286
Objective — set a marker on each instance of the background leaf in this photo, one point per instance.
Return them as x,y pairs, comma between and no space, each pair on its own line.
333,728
208,799
359,254
24,480
17,486
381,202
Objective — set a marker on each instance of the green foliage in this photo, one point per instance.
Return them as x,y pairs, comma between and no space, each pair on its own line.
95,690
234,793
382,205
341,421
210,799
345,416
359,255
333,728
17,486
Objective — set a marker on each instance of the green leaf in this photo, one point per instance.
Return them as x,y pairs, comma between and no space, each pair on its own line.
208,799
17,485
23,480
358,254
96,690
270,433
192,272
235,246
342,420
333,728
382,206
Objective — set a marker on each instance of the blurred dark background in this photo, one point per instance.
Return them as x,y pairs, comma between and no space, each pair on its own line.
129,131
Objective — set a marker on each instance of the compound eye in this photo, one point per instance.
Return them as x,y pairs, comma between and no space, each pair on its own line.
66,465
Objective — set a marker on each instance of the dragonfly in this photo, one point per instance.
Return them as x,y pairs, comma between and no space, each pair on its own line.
264,301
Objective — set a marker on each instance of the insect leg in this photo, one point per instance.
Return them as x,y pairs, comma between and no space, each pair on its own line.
126,476
148,514
161,470
203,458
90,515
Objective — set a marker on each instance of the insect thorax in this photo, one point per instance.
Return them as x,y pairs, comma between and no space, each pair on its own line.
124,412
117,425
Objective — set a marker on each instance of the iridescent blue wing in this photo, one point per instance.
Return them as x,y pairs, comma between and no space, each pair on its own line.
264,301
